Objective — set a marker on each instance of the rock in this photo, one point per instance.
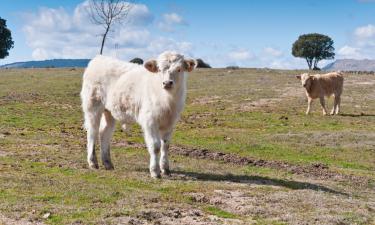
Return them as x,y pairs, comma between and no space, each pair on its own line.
46,215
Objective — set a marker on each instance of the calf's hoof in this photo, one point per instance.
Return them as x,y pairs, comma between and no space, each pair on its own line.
155,175
93,165
166,172
109,166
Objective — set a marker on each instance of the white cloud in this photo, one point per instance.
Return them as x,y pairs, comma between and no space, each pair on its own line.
170,21
140,15
361,45
365,32
273,52
56,33
240,55
39,54
288,62
173,18
349,52
222,55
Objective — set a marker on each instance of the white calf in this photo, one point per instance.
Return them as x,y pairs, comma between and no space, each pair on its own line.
153,96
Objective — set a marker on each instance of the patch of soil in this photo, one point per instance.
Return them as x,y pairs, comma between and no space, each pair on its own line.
3,153
21,97
342,139
290,206
5,220
316,170
174,216
208,100
197,116
267,102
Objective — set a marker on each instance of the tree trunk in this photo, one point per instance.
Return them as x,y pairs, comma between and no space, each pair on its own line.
316,63
103,40
309,63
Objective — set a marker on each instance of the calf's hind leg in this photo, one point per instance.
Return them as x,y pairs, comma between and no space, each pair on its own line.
92,121
107,126
322,103
338,103
334,105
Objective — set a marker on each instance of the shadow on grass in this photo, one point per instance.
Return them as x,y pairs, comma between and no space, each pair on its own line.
357,115
295,185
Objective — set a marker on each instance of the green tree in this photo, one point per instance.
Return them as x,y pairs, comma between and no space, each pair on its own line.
6,42
313,47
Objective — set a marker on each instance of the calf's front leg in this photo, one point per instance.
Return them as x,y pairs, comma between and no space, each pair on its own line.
309,100
152,139
164,161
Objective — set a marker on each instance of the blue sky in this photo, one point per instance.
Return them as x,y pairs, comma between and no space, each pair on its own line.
256,33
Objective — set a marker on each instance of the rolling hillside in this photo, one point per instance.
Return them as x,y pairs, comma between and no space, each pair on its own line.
53,63
351,65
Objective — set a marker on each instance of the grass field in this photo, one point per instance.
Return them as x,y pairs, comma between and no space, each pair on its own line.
243,152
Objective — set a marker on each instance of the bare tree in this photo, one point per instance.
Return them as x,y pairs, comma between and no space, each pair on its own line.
107,13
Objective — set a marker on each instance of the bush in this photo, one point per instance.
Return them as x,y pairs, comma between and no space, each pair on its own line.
232,67
202,64
137,61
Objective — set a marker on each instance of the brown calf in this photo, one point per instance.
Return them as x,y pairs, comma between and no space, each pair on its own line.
320,85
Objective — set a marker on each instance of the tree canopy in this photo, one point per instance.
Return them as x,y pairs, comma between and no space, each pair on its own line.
6,42
313,47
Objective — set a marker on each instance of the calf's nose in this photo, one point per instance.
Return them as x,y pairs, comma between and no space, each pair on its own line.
168,83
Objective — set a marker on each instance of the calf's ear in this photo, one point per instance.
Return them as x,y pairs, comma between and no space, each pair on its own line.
298,77
151,66
190,64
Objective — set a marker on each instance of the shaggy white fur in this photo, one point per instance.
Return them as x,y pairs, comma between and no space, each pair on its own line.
153,96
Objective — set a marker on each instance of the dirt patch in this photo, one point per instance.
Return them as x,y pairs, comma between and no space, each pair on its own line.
20,97
267,102
359,81
7,221
342,139
197,117
291,206
316,170
58,105
208,100
3,153
174,216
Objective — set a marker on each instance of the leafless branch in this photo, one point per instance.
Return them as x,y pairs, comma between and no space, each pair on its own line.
107,13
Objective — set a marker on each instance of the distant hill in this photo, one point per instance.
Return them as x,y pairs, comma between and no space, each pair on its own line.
53,63
351,65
